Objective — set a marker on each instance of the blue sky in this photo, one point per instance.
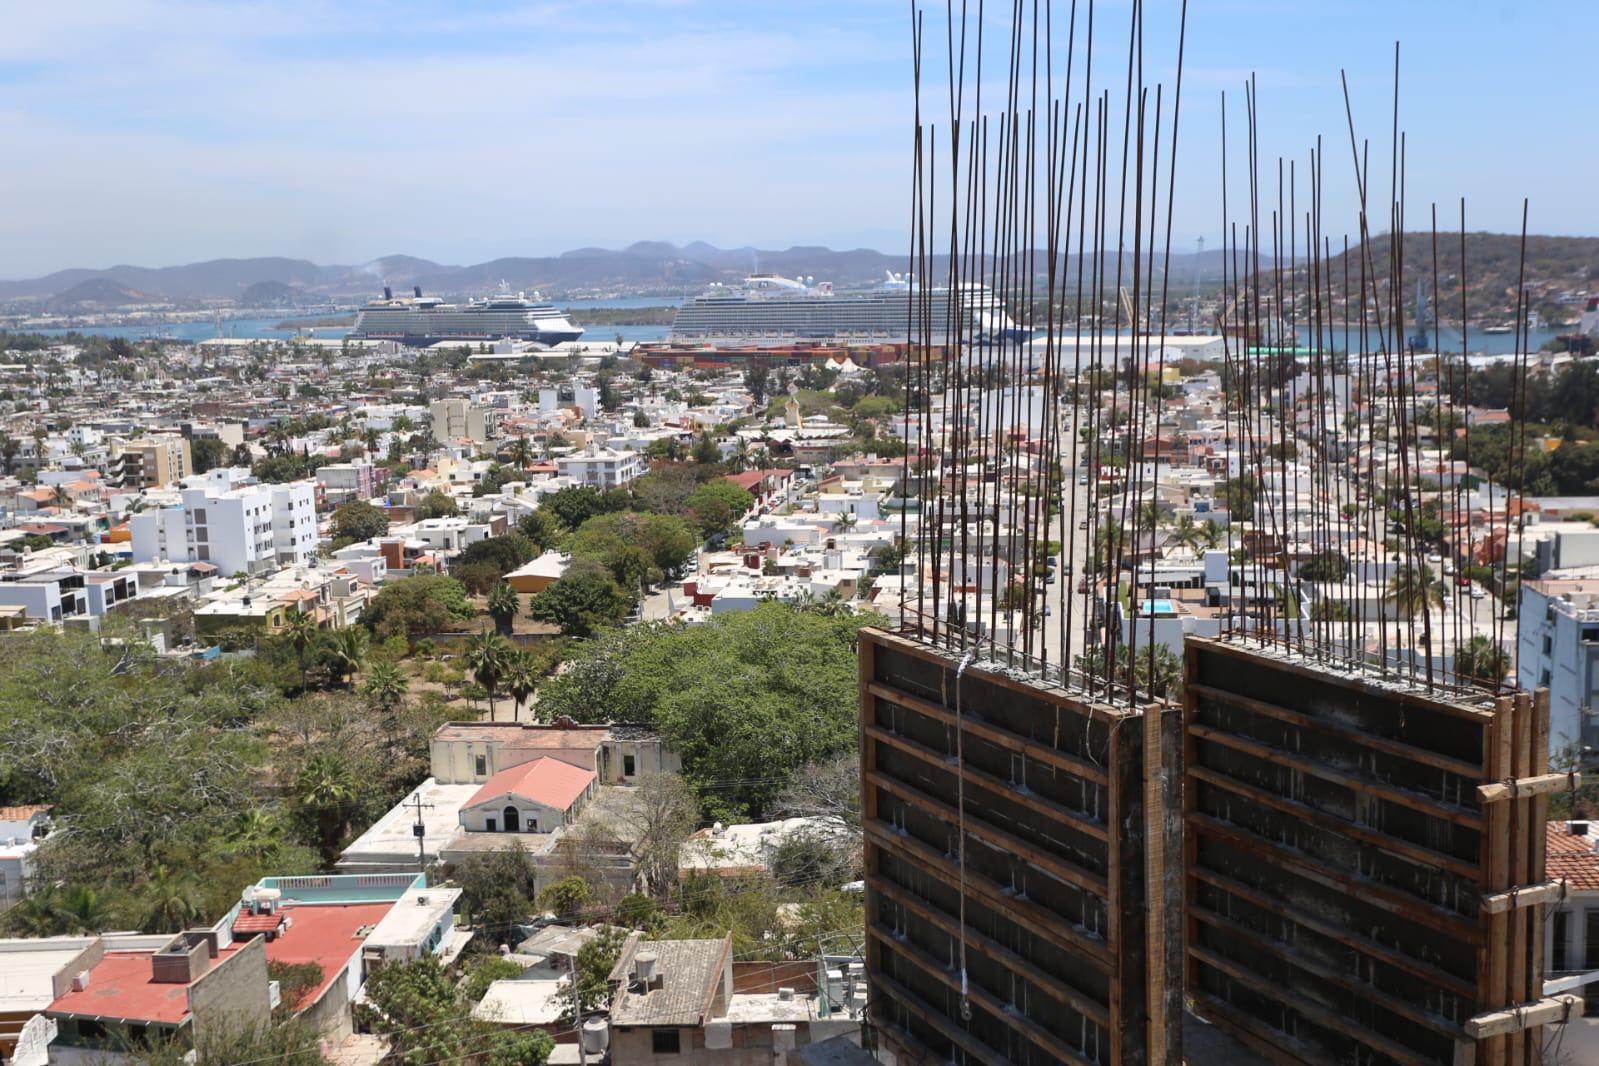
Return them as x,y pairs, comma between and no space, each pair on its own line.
163,131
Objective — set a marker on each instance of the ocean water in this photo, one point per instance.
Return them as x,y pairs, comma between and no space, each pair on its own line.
266,328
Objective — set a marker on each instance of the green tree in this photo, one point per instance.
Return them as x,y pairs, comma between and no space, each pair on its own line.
168,901
1211,534
1412,589
385,685
1328,565
1482,661
488,655
347,649
327,792
576,505
593,966
437,504
539,528
427,1020
497,890
207,453
1185,533
303,631
705,451
417,606
584,600
663,543
503,606
566,898
506,552
521,679
716,505
774,687
357,521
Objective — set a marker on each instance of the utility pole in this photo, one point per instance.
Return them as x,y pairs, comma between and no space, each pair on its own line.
418,830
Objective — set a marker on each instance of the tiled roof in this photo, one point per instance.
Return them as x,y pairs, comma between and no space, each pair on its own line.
23,813
247,923
545,781
690,972
1572,858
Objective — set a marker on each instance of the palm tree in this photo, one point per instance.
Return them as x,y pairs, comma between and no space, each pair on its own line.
39,913
521,679
1211,533
169,903
503,605
385,685
327,790
1185,534
1412,589
521,453
302,630
369,440
487,655
60,496
1482,661
257,834
1150,517
84,910
348,649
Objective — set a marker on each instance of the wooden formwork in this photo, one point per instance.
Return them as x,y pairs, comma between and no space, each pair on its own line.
1364,864
1019,906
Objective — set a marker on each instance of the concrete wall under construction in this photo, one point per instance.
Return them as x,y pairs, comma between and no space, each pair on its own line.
1018,904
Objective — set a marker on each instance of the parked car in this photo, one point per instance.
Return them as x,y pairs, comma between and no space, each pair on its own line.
1478,592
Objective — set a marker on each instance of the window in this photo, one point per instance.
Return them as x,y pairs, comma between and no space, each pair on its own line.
491,824
629,766
665,1042
482,765
1557,952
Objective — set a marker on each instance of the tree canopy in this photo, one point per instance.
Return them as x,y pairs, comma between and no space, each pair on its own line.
358,521
417,606
746,698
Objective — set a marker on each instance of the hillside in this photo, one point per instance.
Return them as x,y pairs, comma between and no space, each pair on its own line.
270,294
97,293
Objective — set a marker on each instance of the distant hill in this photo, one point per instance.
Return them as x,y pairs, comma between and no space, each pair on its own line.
271,294
660,267
97,293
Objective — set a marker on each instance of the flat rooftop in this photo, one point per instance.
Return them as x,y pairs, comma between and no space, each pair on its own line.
391,842
27,966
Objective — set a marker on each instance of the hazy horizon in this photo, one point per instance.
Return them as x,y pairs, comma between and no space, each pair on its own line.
159,132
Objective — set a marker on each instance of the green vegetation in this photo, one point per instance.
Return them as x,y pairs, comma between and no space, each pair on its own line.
772,688
417,606
357,521
428,1020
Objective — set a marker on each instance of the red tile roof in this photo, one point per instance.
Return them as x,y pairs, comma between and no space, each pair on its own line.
246,923
1572,858
327,935
546,781
23,813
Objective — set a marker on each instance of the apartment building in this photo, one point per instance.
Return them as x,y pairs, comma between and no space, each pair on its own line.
1558,649
457,418
241,530
152,462
342,482
601,468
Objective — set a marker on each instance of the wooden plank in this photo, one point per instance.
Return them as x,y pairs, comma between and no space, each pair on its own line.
1397,748
993,734
1524,896
936,1018
1496,877
1005,790
1366,946
1265,1041
1518,989
1378,895
1539,842
1311,1011
1273,754
1523,1016
1032,917
1386,841
1536,785
866,666
986,831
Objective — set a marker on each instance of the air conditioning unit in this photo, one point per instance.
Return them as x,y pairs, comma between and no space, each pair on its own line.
80,981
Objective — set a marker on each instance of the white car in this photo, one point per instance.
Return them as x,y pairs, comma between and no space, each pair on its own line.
1478,592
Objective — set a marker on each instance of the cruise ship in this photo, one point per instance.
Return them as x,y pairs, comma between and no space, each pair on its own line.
423,320
768,306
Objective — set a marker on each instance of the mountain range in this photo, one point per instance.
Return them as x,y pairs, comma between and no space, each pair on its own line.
647,266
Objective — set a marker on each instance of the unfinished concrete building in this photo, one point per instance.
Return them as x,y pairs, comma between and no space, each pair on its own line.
1017,903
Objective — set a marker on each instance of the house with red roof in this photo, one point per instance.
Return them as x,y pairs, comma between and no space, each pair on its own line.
540,796
122,994
1571,934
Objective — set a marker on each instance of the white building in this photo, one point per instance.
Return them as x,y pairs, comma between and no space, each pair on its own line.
242,530
1558,649
457,418
602,469
21,829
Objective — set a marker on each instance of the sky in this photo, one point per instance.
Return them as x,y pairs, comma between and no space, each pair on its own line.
159,132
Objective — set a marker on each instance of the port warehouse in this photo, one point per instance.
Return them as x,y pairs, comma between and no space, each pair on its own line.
1339,874
685,356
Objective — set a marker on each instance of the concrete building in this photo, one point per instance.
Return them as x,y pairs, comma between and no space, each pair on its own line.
152,463
536,797
601,468
456,418
1558,648
21,829
1571,945
242,530
342,482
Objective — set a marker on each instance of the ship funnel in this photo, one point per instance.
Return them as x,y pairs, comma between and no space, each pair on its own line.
388,293
418,290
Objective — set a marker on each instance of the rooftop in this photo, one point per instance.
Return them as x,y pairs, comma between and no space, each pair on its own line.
27,966
121,985
546,781
690,973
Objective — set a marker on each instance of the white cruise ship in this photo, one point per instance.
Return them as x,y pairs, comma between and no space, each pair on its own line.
767,306
422,320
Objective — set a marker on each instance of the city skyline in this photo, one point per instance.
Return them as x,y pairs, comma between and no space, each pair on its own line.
162,133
